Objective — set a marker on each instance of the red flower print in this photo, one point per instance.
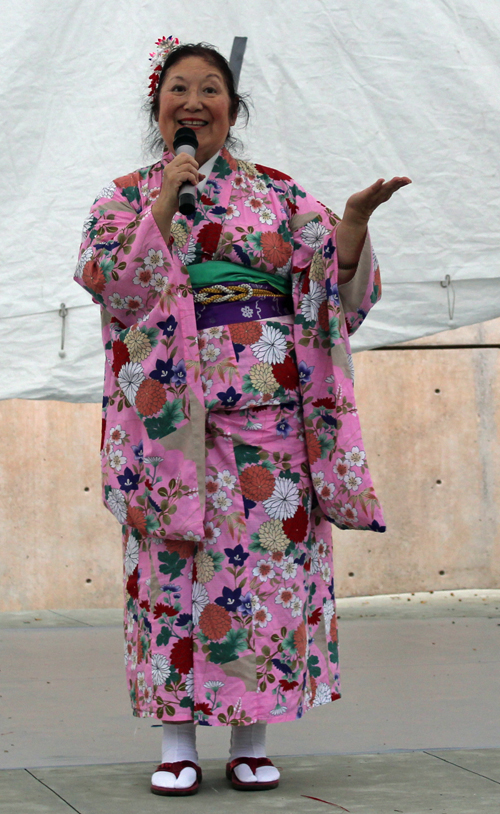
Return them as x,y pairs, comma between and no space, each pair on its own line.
215,621
295,527
203,707
161,609
120,356
245,333
313,447
184,548
314,617
145,605
133,179
335,695
276,175
323,316
276,250
286,374
133,584
136,518
206,200
150,397
333,629
181,655
300,640
327,402
257,482
209,236
288,685
93,278
103,432
305,284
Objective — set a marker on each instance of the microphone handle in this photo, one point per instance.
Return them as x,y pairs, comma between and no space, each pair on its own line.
187,192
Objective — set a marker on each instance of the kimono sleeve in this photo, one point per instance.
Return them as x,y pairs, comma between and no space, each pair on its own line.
123,257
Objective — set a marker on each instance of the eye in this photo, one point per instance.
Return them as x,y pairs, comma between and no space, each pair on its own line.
211,90
178,88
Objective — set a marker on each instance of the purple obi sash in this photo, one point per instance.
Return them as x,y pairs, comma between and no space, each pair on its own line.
248,309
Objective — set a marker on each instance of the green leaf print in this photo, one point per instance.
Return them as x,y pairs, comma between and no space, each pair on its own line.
172,564
312,666
131,194
163,637
288,642
235,642
326,444
333,649
218,558
170,415
186,703
246,454
247,385
152,524
374,295
293,476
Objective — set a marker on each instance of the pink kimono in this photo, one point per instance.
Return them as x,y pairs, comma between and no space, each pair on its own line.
227,449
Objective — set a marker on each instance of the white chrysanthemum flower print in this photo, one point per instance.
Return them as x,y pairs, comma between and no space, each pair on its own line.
141,682
108,191
227,480
328,611
279,709
213,684
264,570
129,378
289,569
232,211
222,501
315,561
158,282
154,258
323,695
84,259
311,301
210,353
247,312
284,501
116,301
352,481
356,457
160,668
296,606
284,271
143,276
131,555
87,223
190,684
126,651
188,257
284,597
117,460
117,504
266,216
313,233
271,347
349,513
262,616
200,600
255,204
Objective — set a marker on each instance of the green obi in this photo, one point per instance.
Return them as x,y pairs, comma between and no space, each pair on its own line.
220,271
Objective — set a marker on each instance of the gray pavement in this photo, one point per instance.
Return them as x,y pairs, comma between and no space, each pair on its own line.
417,728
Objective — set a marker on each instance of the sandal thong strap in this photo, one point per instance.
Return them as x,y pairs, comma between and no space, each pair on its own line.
177,767
253,762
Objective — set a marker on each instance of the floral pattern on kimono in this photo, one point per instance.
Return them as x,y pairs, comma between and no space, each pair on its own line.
226,451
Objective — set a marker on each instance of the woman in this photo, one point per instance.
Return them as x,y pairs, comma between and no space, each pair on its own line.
230,433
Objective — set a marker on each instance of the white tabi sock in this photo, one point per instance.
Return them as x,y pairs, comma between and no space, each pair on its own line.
250,741
178,743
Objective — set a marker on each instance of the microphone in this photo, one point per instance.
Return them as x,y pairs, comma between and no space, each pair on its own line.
185,141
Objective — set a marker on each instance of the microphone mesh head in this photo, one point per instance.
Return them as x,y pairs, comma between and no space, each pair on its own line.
185,135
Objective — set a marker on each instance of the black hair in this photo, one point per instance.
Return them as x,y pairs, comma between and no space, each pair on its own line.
238,105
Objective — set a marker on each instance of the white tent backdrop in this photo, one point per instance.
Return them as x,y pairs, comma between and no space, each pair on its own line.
344,91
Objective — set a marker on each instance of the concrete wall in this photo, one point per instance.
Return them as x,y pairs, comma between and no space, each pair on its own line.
431,426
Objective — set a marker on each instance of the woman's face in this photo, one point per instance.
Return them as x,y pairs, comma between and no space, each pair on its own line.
194,94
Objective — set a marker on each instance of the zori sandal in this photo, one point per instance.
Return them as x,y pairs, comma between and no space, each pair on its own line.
253,763
176,769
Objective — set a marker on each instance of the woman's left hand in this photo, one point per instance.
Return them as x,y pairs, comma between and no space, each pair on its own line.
360,206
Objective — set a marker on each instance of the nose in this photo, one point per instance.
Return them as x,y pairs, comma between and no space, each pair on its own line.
193,102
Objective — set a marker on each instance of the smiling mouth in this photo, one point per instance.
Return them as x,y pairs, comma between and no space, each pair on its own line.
192,123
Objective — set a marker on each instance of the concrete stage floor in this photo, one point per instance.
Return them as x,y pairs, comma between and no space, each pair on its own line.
417,729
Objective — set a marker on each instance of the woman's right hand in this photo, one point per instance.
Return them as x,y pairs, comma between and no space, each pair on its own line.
182,169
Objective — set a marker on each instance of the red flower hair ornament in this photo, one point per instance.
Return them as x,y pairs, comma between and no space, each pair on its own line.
163,48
